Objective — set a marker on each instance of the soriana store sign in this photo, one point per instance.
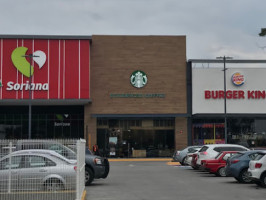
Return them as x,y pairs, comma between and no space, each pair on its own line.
60,69
245,90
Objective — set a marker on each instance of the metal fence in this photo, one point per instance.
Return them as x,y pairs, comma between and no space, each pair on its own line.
42,169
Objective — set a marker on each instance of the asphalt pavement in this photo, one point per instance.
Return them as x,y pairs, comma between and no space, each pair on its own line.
163,180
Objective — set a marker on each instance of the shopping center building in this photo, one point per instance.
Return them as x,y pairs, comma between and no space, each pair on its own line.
240,118
128,94
131,95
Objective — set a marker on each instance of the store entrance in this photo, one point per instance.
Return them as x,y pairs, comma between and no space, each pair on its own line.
135,140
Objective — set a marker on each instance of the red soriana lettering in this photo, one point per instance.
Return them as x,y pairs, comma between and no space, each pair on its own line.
219,94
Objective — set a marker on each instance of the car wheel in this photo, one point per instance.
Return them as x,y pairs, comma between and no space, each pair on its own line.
263,180
183,161
244,176
195,167
237,179
53,184
221,172
89,176
258,183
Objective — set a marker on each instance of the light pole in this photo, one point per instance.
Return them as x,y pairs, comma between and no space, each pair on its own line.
225,111
30,56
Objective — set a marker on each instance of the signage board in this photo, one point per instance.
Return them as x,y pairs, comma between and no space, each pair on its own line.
50,69
245,90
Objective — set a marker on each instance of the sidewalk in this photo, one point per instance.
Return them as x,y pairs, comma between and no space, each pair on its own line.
167,160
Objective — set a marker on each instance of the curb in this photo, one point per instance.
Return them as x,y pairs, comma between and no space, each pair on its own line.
139,159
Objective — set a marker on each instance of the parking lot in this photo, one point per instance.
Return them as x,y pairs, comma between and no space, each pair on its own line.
158,180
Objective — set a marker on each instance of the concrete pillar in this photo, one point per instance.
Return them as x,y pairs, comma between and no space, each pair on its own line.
181,133
90,128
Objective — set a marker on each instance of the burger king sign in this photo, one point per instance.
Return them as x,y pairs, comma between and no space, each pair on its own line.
238,79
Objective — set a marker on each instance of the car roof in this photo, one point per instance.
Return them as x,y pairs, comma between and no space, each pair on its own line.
40,151
224,145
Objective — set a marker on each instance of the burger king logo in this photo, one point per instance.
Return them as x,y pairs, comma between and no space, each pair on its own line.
238,79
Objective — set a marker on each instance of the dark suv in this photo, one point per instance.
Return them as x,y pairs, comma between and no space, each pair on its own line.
96,167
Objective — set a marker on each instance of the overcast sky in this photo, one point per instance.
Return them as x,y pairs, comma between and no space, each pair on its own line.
212,27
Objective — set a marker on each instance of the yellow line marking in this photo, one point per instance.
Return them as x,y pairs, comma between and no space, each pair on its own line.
173,163
83,195
138,159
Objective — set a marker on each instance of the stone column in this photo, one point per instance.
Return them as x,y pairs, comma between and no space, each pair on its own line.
181,134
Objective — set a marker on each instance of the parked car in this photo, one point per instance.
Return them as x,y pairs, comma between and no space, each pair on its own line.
189,158
180,155
36,170
211,151
97,167
217,165
194,161
237,166
257,169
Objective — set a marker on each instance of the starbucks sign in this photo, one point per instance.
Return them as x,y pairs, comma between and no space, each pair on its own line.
138,79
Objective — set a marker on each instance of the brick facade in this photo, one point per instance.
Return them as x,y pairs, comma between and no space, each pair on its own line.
114,58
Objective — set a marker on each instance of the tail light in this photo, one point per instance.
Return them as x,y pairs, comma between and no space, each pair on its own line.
75,168
204,153
234,161
258,165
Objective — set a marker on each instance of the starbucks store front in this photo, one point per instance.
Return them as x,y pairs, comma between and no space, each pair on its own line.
136,137
142,109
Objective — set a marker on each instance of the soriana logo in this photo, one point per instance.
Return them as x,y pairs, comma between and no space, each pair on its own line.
44,68
18,57
20,62
238,79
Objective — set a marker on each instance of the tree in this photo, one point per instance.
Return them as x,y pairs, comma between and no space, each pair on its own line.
263,32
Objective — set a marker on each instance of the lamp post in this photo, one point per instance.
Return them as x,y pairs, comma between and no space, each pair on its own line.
30,56
225,110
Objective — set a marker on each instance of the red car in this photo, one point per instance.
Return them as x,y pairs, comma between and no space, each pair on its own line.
194,161
217,165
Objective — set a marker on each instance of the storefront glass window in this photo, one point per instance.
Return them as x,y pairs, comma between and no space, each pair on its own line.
47,122
135,138
250,132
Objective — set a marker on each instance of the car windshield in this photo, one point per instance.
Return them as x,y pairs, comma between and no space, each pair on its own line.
194,150
219,155
237,155
62,150
259,156
87,151
203,149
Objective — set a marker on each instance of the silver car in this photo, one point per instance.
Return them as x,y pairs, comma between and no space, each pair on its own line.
180,155
36,170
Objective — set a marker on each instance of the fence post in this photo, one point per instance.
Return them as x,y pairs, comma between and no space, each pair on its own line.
78,172
80,182
9,168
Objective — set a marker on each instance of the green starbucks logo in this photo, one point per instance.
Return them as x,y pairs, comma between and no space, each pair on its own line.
22,65
1,85
138,79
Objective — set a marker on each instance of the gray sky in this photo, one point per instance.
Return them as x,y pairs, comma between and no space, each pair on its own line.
212,27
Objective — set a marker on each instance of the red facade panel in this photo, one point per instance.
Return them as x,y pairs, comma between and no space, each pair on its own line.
61,70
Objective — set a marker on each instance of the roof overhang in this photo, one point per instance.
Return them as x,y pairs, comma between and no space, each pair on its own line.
44,102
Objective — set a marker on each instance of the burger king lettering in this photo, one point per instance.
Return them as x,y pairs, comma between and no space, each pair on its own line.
219,94
235,94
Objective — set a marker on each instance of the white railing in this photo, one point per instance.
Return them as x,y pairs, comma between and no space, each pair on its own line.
80,180
42,169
